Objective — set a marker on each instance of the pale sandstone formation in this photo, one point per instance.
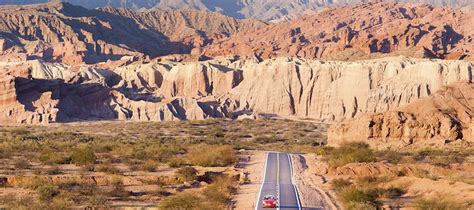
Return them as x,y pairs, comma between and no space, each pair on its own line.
444,117
329,91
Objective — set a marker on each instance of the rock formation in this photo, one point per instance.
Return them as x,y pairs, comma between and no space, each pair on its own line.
284,87
74,35
444,117
362,31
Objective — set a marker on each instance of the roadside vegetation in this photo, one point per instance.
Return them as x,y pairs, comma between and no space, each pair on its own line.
96,164
360,190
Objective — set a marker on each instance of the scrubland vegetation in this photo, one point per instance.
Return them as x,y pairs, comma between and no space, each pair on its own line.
371,192
162,164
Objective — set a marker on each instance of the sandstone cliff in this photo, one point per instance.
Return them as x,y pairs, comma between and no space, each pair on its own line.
444,117
330,91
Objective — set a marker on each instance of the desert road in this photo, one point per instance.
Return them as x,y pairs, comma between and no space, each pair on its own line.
278,182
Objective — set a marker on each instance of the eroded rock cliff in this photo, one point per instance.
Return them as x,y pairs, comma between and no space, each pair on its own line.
330,91
444,117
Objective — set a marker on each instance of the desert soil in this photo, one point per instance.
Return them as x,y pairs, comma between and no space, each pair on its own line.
247,194
313,189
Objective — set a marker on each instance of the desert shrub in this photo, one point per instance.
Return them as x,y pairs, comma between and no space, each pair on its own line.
149,166
53,171
97,200
22,164
83,156
109,169
392,192
176,162
211,155
371,181
182,201
352,195
220,192
436,203
48,157
340,184
118,189
422,173
187,173
354,152
47,192
360,206
391,156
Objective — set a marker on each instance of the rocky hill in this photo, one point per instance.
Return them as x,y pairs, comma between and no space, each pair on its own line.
61,32
267,10
444,117
360,32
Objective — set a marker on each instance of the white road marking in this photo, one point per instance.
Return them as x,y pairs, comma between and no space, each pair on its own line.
293,182
263,182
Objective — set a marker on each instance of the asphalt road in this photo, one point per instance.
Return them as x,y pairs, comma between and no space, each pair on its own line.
278,182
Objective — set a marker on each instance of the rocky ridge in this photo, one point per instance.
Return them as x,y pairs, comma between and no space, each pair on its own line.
71,34
363,31
266,10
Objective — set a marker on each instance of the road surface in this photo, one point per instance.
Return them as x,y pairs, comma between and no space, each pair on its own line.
278,182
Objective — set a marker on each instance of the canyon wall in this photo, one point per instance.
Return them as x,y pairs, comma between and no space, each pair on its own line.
329,91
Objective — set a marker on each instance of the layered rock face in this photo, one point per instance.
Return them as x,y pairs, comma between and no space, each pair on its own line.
74,35
363,31
284,87
444,117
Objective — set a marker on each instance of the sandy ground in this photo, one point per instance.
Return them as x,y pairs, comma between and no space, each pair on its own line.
313,189
247,194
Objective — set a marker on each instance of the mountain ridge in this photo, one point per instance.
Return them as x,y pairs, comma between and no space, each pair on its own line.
266,10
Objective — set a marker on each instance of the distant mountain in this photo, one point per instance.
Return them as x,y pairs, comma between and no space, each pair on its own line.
362,31
66,33
266,10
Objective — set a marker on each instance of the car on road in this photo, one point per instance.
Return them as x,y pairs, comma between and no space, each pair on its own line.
269,201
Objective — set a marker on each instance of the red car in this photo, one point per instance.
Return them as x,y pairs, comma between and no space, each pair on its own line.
269,201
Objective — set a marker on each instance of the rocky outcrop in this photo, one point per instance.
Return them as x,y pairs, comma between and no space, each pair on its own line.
75,35
444,117
363,31
329,91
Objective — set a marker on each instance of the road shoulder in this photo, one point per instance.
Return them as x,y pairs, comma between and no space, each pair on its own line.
313,189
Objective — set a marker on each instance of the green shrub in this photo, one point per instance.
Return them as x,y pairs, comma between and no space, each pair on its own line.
220,192
118,189
340,184
182,201
187,173
47,192
48,157
354,195
212,156
176,162
354,152
436,203
83,156
22,164
109,169
149,166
